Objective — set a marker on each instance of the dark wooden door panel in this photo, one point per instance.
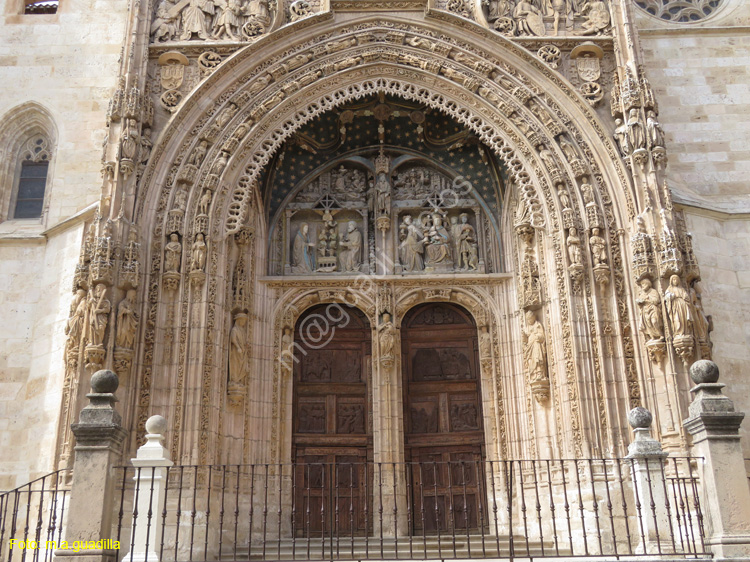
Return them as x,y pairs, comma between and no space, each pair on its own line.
332,439
443,419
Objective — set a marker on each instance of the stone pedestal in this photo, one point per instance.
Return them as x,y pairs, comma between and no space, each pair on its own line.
99,439
151,462
714,425
648,477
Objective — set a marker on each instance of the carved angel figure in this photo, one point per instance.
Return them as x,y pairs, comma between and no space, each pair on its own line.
534,348
650,320
127,321
679,309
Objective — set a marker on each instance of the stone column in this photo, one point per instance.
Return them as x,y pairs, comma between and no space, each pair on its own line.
648,477
150,482
714,425
99,438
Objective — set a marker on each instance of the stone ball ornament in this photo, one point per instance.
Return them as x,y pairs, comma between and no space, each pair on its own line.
156,425
104,381
704,371
640,418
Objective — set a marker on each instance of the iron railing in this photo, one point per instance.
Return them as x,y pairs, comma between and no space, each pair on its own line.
32,518
427,510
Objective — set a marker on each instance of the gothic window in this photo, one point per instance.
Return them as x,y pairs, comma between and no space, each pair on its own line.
31,180
679,11
40,7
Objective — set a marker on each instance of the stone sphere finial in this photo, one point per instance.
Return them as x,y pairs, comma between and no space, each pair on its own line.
156,425
640,418
104,382
704,371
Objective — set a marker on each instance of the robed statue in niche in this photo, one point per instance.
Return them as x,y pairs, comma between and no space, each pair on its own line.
412,245
302,254
351,248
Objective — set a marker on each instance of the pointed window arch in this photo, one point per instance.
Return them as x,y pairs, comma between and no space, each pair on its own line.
27,138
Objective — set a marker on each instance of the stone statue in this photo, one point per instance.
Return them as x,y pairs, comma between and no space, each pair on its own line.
383,195
702,324
564,197
180,199
598,248
238,349
304,261
485,343
194,18
679,309
636,134
621,136
650,320
172,254
287,342
654,130
437,250
456,237
528,19
127,321
387,337
574,246
198,253
568,149
257,14
196,158
74,326
467,244
597,18
204,203
411,248
351,245
99,308
229,20
498,9
587,191
166,29
534,348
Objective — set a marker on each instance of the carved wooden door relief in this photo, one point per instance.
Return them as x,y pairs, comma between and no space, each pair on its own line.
332,426
443,418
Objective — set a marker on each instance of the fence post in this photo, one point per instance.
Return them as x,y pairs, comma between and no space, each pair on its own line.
99,437
151,463
714,425
648,476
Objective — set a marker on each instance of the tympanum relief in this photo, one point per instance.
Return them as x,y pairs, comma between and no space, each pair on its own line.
425,226
540,18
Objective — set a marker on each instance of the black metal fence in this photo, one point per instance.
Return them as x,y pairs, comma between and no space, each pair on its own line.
429,510
32,518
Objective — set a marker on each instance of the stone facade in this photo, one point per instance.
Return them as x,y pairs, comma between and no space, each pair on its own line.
216,181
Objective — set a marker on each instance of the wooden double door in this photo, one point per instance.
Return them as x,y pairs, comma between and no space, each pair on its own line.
334,489
444,437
